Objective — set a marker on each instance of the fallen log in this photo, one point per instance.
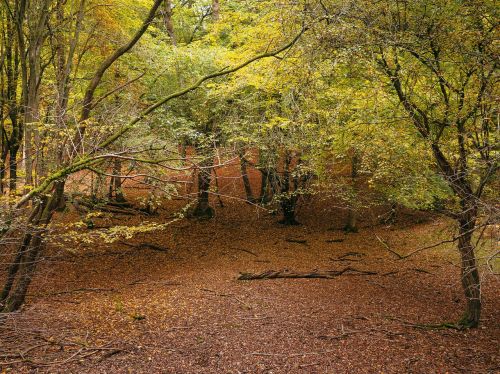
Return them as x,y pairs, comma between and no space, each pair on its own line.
325,274
83,204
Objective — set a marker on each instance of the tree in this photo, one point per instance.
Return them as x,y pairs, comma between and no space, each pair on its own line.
440,61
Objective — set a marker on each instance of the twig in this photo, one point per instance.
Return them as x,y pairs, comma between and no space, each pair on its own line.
346,334
334,240
82,290
247,251
400,257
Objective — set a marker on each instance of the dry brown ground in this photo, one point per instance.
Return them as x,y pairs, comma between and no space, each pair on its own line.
111,308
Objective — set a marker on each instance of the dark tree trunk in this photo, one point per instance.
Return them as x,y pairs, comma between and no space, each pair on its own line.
5,153
58,198
352,219
14,266
288,198
13,168
288,208
203,208
264,187
23,268
246,180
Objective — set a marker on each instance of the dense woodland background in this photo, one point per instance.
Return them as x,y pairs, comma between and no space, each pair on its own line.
355,114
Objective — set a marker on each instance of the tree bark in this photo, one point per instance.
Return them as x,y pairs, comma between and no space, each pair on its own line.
167,20
215,10
288,198
469,271
203,208
115,185
352,224
14,148
24,266
244,177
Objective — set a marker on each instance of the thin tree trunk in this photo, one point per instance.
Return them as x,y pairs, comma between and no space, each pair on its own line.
264,185
288,197
13,168
5,153
244,177
217,190
352,219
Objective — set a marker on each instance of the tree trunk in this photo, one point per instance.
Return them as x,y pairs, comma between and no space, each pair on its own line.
115,185
469,271
244,177
14,266
215,10
13,168
352,224
288,198
167,20
217,190
24,266
264,186
203,208
3,165
288,208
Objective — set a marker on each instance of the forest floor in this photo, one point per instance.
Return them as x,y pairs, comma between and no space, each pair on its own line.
176,305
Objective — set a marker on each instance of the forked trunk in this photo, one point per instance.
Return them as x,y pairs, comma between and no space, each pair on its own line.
21,271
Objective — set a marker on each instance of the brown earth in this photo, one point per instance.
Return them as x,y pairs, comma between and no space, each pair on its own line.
113,308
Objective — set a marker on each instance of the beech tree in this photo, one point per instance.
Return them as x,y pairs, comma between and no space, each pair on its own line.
440,61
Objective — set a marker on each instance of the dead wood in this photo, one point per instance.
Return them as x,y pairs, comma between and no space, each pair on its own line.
334,240
386,246
346,334
246,250
153,247
418,270
300,241
326,274
107,206
349,256
226,295
424,326
82,290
